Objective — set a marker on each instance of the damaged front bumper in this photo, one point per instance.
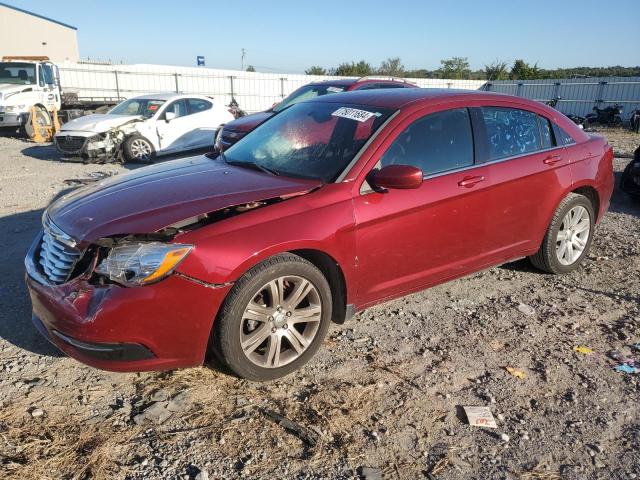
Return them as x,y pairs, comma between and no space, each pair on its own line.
103,146
156,327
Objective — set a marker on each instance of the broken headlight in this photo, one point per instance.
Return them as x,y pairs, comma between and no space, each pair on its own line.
138,263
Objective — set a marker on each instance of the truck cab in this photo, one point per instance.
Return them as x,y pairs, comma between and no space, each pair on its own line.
26,82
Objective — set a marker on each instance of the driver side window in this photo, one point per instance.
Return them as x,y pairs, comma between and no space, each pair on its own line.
435,143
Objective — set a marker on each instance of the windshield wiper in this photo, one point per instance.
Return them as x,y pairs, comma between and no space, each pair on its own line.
254,166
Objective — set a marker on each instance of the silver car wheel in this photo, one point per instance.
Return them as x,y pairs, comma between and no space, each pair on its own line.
573,235
141,149
280,322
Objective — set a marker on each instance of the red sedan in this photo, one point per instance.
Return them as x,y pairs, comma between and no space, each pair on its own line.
332,206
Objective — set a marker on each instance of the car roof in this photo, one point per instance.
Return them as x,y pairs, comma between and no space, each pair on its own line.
348,82
399,97
168,96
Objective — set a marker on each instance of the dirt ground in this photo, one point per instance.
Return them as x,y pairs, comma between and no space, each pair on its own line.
382,399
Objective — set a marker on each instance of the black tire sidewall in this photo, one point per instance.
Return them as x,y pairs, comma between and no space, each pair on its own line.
226,340
128,155
577,200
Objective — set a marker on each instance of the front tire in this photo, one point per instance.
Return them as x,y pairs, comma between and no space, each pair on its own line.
274,319
138,149
568,237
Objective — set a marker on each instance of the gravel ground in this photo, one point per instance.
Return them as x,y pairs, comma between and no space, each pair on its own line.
383,398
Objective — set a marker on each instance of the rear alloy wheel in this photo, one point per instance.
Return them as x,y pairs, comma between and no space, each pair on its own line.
568,237
138,149
274,319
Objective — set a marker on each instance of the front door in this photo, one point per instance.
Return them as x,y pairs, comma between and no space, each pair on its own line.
409,239
174,135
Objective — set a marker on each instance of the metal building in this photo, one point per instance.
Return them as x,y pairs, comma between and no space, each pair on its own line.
26,33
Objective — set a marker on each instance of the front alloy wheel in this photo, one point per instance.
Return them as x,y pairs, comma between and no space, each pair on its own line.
274,318
280,321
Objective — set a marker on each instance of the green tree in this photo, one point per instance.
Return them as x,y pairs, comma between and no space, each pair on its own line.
392,67
496,71
455,68
251,68
360,69
315,70
521,70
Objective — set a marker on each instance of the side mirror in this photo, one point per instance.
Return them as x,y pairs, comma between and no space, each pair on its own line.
396,176
168,116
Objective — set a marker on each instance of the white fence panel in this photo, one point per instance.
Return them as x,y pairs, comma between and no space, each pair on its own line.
253,91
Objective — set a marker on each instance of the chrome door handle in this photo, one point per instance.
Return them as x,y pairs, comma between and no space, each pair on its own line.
552,159
470,181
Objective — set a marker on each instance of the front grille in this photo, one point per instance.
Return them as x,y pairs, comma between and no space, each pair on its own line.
57,255
70,143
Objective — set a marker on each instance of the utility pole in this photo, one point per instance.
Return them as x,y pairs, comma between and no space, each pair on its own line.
243,54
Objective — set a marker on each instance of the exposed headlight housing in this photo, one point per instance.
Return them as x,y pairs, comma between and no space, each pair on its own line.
141,263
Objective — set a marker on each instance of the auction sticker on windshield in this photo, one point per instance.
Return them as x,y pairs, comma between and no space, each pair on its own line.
354,114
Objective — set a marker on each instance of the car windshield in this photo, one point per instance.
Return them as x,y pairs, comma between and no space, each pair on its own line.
137,106
18,73
307,93
309,140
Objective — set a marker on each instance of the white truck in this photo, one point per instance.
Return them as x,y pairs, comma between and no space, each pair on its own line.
27,82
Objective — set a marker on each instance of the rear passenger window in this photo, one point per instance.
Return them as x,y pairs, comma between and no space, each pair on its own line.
511,131
197,105
545,131
562,137
435,143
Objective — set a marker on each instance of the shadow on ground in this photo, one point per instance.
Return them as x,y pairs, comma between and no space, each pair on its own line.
19,230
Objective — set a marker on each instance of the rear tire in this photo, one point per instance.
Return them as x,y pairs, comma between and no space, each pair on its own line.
137,149
568,237
274,319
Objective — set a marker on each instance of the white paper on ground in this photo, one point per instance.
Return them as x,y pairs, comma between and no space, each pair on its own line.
480,417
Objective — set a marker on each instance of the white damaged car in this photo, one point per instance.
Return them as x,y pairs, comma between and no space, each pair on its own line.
142,127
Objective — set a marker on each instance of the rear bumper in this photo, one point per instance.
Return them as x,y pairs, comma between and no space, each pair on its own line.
156,327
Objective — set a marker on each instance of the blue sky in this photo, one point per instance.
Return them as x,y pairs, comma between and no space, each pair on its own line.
289,36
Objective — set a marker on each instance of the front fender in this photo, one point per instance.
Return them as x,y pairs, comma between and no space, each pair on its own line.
225,250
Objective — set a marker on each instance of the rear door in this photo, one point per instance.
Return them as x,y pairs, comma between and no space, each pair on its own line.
408,239
205,122
528,170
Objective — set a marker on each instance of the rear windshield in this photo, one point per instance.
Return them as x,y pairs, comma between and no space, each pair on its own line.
138,106
309,140
306,93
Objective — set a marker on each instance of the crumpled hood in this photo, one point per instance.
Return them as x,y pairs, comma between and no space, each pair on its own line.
98,123
249,122
151,198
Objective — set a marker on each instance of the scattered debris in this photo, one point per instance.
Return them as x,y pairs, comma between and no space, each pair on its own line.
370,473
90,178
516,373
480,417
526,309
303,433
582,349
627,368
504,437
37,412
